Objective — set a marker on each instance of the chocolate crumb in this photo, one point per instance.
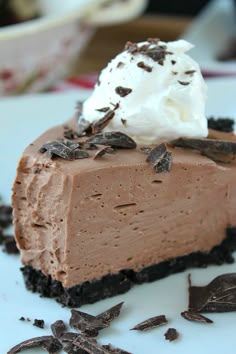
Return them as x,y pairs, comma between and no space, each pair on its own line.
102,152
195,317
104,109
124,122
112,350
58,328
174,72
21,318
113,139
173,62
51,344
145,67
151,323
38,323
171,334
123,91
184,83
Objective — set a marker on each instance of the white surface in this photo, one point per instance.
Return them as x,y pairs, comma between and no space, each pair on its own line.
22,119
210,32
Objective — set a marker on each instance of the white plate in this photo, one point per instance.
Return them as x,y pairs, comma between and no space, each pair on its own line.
209,32
22,119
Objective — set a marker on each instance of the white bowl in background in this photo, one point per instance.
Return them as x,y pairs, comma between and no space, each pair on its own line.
35,54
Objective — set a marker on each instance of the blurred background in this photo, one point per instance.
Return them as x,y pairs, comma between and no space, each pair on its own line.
57,45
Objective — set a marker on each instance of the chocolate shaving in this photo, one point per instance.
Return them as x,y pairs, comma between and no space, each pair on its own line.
151,323
104,109
51,344
89,345
218,296
195,317
184,83
58,328
144,66
65,149
113,139
173,62
86,323
171,334
68,337
160,158
100,124
102,152
110,314
38,323
112,350
217,150
123,91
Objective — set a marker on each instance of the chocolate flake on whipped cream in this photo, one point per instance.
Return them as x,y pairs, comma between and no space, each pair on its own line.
184,83
217,150
124,122
151,323
49,343
113,139
104,109
120,64
218,296
123,91
100,124
190,72
171,334
65,149
160,158
173,62
104,150
195,317
144,66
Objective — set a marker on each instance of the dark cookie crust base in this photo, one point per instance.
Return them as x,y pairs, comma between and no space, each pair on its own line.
114,284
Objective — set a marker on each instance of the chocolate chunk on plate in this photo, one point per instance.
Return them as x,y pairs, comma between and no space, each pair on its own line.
195,317
218,296
171,334
151,323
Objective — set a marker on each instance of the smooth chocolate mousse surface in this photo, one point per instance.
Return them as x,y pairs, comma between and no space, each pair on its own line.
80,220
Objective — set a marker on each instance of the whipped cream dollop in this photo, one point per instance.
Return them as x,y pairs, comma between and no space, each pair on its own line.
156,91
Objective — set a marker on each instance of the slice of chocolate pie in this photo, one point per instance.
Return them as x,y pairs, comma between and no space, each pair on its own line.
131,189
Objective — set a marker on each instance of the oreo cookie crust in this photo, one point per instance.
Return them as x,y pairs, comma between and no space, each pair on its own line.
114,284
